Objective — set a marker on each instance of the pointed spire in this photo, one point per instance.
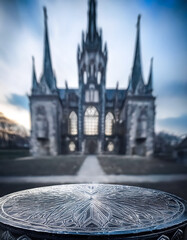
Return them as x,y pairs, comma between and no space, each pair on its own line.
48,71
137,68
93,38
116,103
66,84
105,50
78,52
92,29
150,80
130,88
34,80
101,38
82,39
116,93
101,33
117,85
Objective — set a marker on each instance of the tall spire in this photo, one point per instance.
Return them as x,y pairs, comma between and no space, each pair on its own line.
150,80
93,38
48,71
116,93
130,88
34,80
137,68
92,29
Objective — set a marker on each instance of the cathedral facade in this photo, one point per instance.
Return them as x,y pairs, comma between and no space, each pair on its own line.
92,119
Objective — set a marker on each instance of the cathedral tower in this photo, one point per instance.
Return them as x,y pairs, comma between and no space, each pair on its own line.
92,119
139,108
92,62
45,106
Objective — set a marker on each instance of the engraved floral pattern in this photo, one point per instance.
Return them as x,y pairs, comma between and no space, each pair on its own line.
89,208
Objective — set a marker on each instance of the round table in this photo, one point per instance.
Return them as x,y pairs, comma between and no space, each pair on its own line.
92,211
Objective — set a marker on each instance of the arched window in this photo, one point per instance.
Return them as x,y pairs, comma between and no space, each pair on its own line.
92,89
110,147
96,96
92,68
91,95
87,96
142,126
72,146
41,123
109,120
99,77
85,77
91,120
73,123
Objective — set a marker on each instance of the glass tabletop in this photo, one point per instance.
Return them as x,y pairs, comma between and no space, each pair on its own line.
92,209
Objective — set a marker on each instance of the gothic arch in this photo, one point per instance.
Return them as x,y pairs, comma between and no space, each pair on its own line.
109,121
72,126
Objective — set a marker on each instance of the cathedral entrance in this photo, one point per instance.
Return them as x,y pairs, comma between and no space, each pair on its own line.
140,148
91,146
92,149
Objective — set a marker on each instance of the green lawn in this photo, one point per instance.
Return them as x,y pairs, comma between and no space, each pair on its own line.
19,163
139,166
15,163
61,165
13,153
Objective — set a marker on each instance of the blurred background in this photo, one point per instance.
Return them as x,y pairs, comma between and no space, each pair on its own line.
163,36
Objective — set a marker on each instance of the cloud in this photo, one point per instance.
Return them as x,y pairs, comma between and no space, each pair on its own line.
176,125
20,101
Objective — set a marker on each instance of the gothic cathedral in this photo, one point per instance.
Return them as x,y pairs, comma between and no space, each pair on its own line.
92,119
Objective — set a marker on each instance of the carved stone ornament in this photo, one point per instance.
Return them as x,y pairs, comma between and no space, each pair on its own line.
178,235
93,209
24,238
7,236
163,237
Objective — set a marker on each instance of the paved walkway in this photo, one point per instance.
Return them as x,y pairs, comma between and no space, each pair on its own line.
91,167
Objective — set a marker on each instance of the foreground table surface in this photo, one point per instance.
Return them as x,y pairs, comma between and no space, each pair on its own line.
92,211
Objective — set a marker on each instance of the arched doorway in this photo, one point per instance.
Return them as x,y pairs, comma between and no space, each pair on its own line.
91,146
92,149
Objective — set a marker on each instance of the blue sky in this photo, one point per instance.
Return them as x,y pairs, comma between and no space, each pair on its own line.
163,36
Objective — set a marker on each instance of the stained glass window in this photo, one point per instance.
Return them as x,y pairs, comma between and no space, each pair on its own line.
91,120
109,120
73,123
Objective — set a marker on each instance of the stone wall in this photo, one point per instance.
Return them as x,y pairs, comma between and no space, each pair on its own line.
46,118
139,143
